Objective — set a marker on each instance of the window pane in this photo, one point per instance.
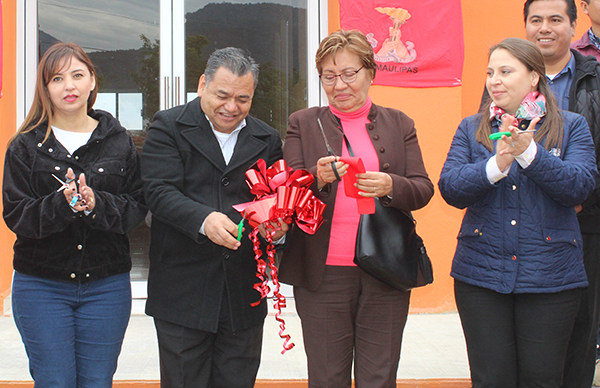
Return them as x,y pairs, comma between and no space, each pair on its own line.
274,32
121,38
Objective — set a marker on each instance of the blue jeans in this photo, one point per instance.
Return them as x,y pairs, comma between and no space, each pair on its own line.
72,332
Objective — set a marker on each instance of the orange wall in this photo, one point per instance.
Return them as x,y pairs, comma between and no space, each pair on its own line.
7,128
436,111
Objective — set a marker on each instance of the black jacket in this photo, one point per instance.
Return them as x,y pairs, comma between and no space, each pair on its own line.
53,242
185,179
584,98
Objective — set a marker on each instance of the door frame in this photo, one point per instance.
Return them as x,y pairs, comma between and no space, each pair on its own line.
27,52
172,77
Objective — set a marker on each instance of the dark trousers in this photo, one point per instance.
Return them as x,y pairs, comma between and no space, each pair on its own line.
516,340
581,356
352,316
191,358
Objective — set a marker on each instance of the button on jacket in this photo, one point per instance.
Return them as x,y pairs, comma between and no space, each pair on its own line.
53,242
185,179
521,234
394,137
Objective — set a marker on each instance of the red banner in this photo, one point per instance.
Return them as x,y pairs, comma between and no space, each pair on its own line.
417,43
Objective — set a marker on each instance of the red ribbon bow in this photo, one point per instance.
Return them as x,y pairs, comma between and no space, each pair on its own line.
281,193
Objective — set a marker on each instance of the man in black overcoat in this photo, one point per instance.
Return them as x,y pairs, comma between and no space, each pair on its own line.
200,286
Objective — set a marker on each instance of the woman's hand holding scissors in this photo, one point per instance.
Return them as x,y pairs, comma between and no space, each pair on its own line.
89,197
84,200
325,172
508,147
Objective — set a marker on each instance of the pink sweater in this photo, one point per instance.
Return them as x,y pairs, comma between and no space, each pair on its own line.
345,214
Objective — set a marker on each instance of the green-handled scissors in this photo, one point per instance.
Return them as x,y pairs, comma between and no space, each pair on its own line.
498,135
241,227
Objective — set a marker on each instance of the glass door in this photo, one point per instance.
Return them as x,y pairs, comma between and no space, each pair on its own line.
275,34
149,55
121,38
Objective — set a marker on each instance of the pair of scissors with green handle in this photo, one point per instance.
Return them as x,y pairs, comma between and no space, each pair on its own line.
498,135
241,227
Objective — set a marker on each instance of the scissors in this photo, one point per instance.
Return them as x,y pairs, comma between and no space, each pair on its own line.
498,135
65,185
241,227
329,151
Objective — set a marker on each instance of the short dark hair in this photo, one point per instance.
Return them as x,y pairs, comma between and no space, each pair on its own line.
571,10
233,59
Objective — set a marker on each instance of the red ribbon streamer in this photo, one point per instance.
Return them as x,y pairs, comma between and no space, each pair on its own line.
356,166
281,193
263,288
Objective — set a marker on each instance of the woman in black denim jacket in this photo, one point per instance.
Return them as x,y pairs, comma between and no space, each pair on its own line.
71,292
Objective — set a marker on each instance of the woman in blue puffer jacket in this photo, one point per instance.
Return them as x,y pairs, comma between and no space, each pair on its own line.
518,266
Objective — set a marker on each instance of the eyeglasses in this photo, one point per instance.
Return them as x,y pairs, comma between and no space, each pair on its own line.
346,77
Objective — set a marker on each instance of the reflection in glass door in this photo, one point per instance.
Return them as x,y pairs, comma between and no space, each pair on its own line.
120,38
150,54
275,34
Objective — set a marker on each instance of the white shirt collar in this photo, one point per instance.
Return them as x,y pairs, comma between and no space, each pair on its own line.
241,125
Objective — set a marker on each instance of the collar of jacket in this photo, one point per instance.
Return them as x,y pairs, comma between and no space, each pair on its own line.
196,129
193,116
584,41
584,64
107,126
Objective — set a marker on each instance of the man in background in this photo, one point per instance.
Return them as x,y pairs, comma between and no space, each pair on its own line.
575,81
589,44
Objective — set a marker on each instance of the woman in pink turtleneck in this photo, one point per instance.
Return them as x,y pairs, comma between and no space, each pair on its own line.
348,317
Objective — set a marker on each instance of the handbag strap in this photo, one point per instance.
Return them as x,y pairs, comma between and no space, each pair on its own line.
348,146
351,153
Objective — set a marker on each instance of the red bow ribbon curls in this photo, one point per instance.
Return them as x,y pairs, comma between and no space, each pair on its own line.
281,194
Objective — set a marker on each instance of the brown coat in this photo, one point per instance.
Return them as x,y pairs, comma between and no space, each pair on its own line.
395,139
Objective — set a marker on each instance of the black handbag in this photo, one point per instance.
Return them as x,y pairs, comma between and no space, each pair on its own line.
389,248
